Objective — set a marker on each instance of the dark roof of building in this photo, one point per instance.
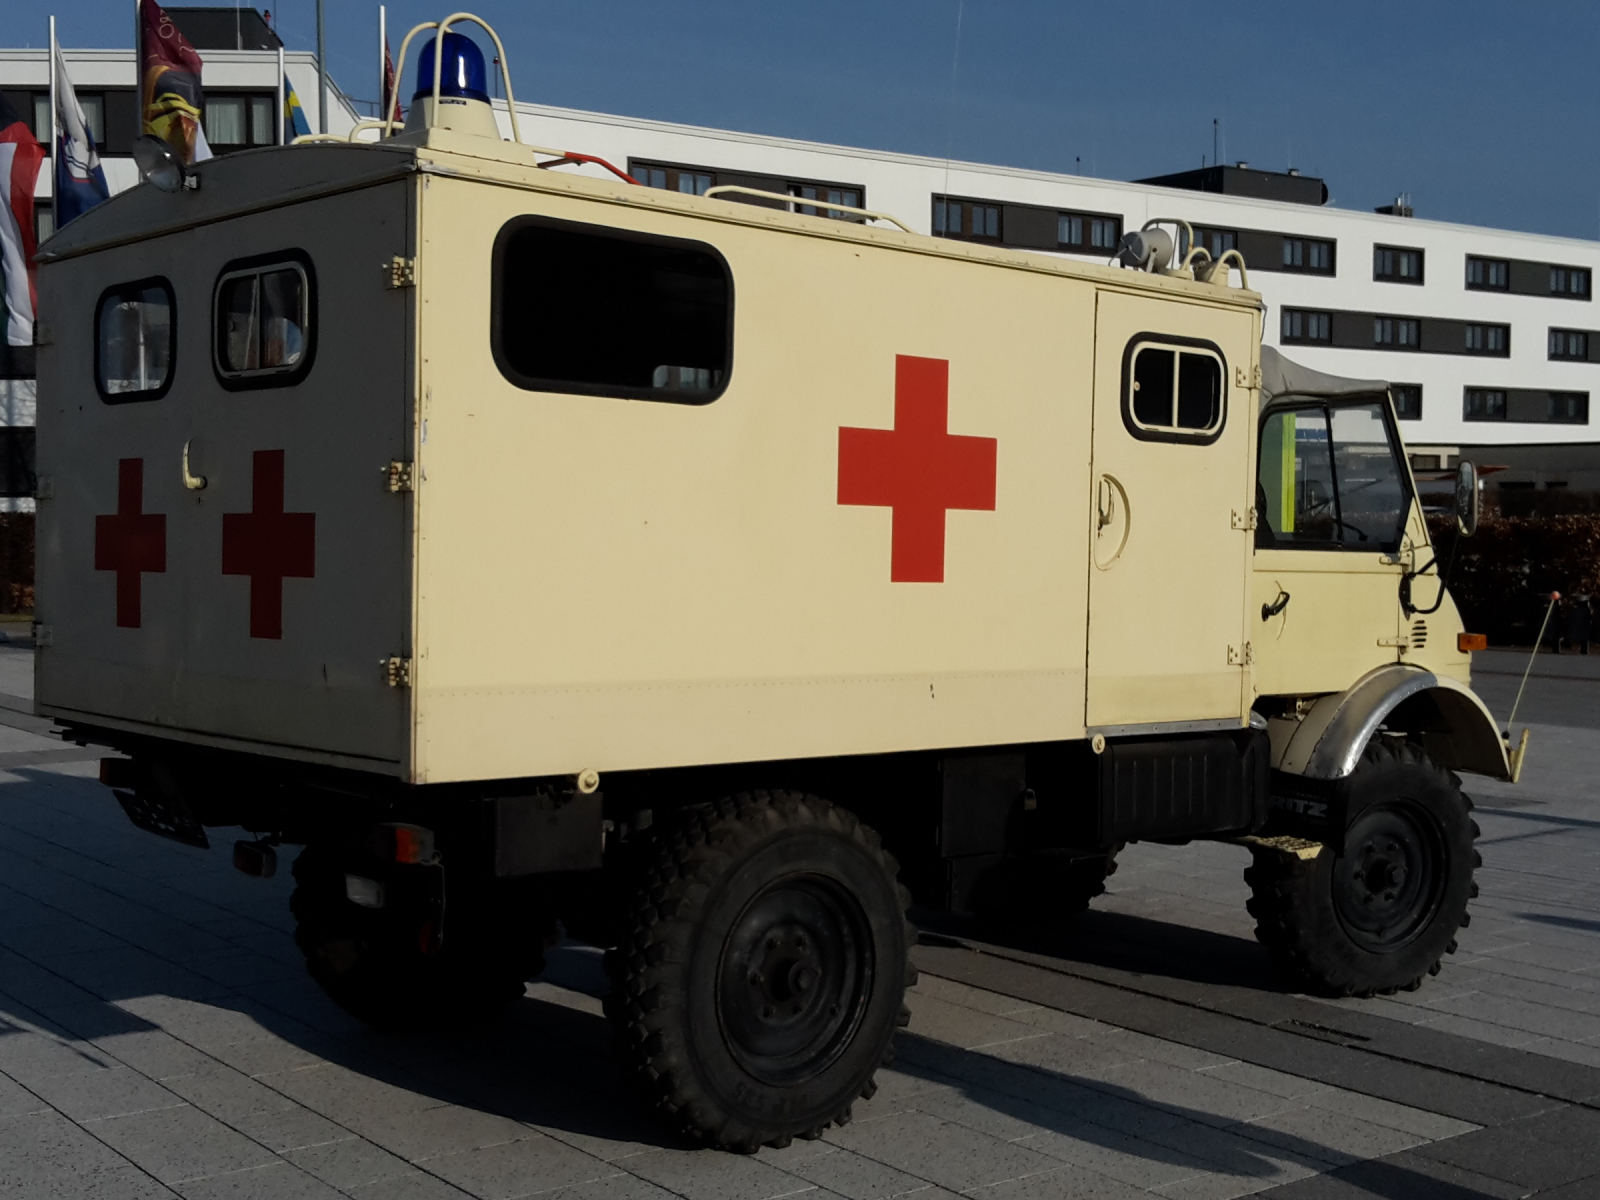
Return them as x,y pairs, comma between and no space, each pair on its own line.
224,28
1241,180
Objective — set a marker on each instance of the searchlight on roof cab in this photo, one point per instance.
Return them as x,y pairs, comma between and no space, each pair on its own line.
718,580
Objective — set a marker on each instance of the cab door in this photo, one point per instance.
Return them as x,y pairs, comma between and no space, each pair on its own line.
1333,497
1170,509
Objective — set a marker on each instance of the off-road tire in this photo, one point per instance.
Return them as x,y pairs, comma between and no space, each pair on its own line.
1043,893
373,964
1344,923
762,976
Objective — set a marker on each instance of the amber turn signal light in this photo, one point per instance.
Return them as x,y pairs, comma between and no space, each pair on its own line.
1468,642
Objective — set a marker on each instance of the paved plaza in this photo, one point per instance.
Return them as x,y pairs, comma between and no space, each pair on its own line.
159,1036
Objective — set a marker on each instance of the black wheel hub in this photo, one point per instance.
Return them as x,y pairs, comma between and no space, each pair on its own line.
1386,887
794,980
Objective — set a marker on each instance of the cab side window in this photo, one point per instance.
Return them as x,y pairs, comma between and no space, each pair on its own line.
133,345
1329,478
262,322
1173,390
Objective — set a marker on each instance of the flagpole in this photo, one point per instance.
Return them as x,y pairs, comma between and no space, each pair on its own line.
282,115
322,74
55,135
138,63
383,74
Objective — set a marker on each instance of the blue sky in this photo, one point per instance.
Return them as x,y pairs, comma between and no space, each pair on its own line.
1484,113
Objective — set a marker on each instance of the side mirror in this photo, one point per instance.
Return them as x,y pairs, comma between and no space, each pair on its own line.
1467,498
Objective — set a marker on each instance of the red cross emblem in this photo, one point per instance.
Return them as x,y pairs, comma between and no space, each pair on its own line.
130,541
918,469
268,545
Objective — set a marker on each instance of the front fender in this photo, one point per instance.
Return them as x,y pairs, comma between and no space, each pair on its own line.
1454,725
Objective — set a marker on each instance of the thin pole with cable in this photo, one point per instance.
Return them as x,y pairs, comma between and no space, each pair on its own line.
1543,625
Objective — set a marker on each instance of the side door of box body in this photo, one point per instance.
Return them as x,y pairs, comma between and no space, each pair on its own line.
1169,568
226,563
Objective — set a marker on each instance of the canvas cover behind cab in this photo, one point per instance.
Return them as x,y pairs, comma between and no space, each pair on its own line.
256,609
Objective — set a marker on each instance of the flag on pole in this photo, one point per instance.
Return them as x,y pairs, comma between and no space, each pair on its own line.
80,183
20,158
170,83
390,91
294,117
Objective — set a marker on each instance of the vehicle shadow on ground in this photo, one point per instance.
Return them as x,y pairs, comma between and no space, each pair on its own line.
1125,942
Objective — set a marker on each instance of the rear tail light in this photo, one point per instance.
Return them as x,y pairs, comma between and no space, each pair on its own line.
402,843
1468,642
118,773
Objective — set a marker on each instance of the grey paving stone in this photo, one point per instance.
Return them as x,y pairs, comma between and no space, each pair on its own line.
176,1144
951,1155
291,1128
116,1092
16,1100
275,1181
856,1176
349,1162
125,1183
968,1028
153,1052
43,1150
414,1185
532,1164
420,1134
1418,1121
1335,1137
1513,1154
1058,1182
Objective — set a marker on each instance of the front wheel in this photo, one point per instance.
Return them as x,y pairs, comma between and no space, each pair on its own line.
1378,913
764,972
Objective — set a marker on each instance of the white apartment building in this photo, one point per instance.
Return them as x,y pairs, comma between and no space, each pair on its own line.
1492,336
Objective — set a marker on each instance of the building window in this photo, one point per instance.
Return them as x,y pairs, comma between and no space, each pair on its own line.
1311,255
133,347
673,179
1404,333
1393,264
1488,274
1493,340
1569,281
1571,344
1407,400
262,322
237,122
1302,325
44,221
1216,241
1569,408
1485,404
1085,232
969,220
836,195
637,317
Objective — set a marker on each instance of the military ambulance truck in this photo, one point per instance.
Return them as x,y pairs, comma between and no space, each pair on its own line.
718,578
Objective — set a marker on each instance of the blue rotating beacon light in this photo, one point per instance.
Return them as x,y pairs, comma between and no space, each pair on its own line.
463,102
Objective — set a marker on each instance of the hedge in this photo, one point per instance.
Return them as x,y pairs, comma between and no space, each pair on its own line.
1503,576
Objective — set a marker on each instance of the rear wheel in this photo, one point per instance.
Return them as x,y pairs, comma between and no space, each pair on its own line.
764,970
388,965
1378,913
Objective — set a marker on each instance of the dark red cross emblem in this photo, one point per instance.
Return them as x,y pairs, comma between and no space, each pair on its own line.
130,541
268,545
917,468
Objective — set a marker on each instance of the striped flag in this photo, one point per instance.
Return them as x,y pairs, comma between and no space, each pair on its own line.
20,158
80,183
294,117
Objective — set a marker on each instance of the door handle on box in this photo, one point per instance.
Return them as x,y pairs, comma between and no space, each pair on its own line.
194,483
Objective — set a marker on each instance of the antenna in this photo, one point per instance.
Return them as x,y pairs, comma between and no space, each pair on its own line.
1215,130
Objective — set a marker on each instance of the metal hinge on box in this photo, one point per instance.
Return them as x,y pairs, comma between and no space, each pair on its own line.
400,475
1252,379
1399,642
1240,657
396,671
400,272
1245,520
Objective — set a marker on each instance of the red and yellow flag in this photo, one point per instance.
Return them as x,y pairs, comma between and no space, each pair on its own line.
169,71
